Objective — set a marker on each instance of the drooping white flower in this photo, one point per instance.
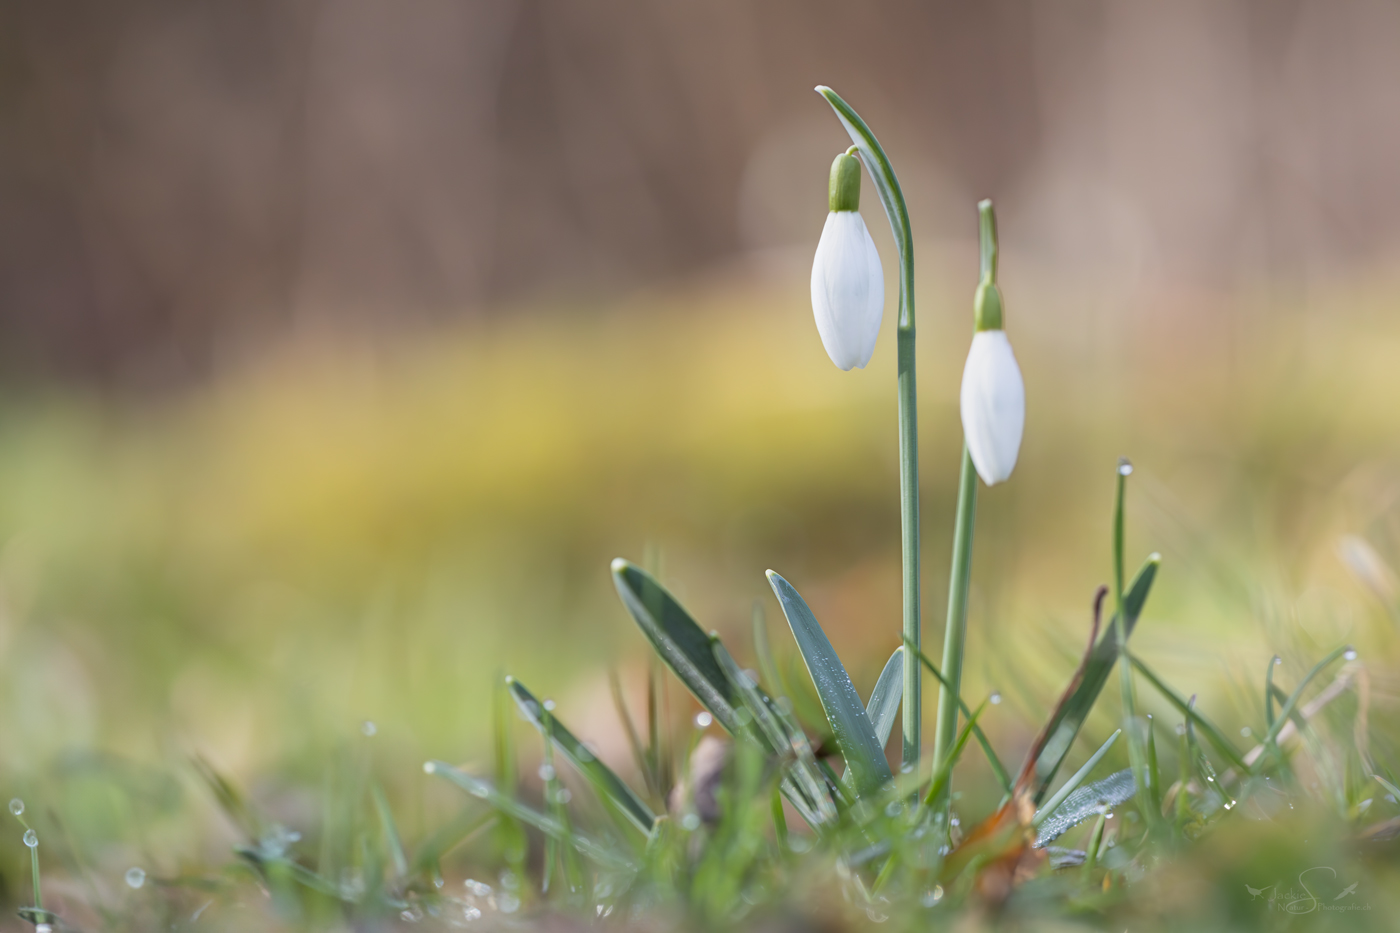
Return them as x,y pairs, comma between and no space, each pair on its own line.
993,406
848,284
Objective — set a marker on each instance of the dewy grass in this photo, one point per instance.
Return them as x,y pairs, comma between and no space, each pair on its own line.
775,804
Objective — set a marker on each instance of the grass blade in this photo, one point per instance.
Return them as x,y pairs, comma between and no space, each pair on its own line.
392,839
1287,709
604,780
1217,738
1269,689
1002,777
884,699
514,808
1074,782
1085,802
945,770
1069,718
855,735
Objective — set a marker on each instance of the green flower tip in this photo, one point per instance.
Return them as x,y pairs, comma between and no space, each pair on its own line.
843,191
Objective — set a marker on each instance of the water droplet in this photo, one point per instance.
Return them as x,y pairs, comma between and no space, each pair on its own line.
31,838
1229,805
549,706
893,807
410,916
931,898
477,888
954,822
16,806
995,698
508,903
906,769
1350,654
1277,660
471,913
750,677
438,882
510,881
135,877
1246,731
690,821
546,772
564,795
429,767
1181,728
876,916
1108,816
703,720
1209,778
1125,468
368,728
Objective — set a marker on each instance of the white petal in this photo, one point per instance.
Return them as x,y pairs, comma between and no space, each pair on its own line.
993,406
848,290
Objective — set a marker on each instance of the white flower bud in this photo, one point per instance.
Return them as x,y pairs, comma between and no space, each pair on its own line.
993,406
848,290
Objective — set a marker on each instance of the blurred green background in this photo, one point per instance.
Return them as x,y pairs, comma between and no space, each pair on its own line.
346,347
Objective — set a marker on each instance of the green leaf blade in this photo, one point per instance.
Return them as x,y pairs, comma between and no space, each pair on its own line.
855,734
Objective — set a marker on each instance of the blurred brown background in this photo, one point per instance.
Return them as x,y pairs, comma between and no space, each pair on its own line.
180,181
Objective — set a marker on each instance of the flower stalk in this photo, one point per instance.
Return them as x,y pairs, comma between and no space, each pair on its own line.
892,199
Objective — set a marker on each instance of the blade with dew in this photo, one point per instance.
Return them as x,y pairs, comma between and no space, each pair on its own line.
1085,802
677,639
943,774
392,841
604,780
1073,783
1287,710
512,807
855,735
1067,720
884,699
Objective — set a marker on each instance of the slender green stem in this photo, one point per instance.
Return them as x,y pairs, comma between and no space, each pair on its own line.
892,198
955,632
34,864
1137,755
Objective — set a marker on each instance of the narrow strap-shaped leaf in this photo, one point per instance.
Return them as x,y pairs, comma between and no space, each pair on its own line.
1073,783
1217,738
603,778
677,639
1070,717
884,699
855,735
392,841
512,807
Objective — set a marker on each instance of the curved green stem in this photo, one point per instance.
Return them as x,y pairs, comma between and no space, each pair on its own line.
877,164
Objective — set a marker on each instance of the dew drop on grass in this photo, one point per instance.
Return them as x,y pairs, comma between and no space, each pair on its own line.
1246,731
995,698
135,877
690,821
17,806
549,706
1350,654
471,913
1277,660
368,728
1181,728
703,720
546,772
31,838
508,903
906,769
932,897
1125,468
477,888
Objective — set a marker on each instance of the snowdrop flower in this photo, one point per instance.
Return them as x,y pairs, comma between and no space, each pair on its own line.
993,395
848,285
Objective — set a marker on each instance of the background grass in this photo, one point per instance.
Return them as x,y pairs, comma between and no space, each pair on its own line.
362,528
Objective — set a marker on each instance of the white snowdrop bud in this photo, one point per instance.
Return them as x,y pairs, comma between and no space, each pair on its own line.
848,285
993,402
